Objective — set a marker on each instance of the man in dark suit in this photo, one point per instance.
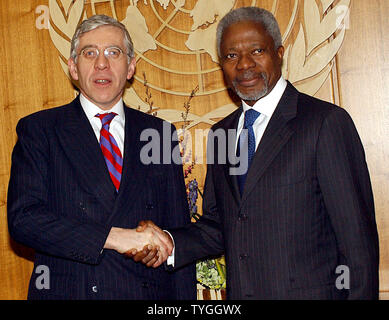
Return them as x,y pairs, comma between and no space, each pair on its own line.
301,224
76,201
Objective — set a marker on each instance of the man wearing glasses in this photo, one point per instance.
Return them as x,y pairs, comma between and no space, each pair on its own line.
78,186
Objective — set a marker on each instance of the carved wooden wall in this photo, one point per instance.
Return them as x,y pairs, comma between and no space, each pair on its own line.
336,50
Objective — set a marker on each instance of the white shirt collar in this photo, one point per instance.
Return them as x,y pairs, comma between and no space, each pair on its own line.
268,104
91,109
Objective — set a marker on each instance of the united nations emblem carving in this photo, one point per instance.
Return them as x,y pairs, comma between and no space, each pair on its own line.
175,47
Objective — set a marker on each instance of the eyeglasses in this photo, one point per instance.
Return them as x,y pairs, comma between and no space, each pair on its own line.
111,53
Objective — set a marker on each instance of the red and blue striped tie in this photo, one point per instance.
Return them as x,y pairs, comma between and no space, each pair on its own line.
112,155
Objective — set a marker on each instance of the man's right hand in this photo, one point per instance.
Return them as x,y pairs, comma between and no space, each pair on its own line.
148,242
148,256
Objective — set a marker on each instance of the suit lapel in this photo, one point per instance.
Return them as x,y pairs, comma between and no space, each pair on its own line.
232,124
83,151
275,137
132,174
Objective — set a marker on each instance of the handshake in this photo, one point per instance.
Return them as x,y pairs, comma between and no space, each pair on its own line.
147,243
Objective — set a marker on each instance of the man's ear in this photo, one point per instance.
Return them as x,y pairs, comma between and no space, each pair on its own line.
73,69
280,53
131,68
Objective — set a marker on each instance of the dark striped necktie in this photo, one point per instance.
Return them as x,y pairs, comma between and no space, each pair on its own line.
112,155
247,137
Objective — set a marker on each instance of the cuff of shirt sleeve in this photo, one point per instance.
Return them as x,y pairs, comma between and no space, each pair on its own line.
170,259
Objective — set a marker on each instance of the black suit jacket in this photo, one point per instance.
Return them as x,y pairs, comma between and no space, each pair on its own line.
306,209
61,202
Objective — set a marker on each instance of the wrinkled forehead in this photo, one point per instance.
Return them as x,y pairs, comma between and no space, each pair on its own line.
244,33
105,35
245,26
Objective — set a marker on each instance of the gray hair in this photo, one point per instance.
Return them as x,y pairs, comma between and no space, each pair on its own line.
255,14
97,21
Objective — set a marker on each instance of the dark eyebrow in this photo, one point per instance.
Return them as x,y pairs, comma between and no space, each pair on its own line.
231,49
88,46
250,45
95,46
257,44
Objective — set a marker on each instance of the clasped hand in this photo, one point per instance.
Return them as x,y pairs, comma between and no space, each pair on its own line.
158,248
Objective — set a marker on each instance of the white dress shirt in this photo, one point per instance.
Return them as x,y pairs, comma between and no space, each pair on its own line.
265,107
116,127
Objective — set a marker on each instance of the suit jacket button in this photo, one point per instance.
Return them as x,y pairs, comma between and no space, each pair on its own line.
242,217
243,256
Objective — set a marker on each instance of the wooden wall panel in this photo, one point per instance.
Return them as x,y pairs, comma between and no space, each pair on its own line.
33,79
363,68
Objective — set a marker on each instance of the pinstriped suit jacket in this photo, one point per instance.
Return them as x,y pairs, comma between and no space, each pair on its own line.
306,209
62,203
